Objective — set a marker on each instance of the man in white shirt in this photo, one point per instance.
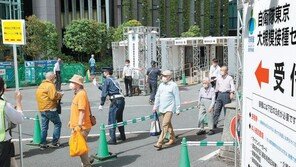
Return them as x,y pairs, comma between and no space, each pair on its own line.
57,72
214,72
128,80
167,101
225,90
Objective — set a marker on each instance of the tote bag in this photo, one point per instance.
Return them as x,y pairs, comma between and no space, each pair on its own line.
155,129
77,144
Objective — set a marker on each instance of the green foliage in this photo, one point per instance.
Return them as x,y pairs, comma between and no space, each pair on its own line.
162,18
226,18
207,19
173,18
186,14
52,39
2,46
194,31
197,13
118,33
36,37
86,36
216,17
127,10
145,12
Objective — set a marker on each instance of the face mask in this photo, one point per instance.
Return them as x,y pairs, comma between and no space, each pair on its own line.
222,73
126,64
205,85
72,86
164,79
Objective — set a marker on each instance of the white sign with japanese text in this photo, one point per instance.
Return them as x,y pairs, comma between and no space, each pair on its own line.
269,112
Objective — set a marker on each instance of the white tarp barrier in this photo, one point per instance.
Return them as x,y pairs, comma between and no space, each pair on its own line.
269,113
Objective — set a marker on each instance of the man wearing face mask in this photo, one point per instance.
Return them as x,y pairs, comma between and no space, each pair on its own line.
47,98
167,101
112,89
128,80
206,101
225,90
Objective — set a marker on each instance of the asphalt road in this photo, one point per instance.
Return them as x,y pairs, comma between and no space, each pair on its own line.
137,151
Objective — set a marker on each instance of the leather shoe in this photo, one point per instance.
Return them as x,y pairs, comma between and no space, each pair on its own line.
110,142
201,132
121,138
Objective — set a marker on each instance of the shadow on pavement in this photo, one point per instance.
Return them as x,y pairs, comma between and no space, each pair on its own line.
123,161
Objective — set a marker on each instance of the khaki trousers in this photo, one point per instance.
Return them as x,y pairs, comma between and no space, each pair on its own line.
84,158
166,119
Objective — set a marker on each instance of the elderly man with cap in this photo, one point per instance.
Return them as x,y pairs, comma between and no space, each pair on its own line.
47,99
167,101
151,78
80,113
112,89
206,101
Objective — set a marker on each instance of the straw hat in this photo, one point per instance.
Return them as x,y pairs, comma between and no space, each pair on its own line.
167,73
77,79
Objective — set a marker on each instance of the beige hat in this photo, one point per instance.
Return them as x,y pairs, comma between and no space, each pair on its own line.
167,73
77,79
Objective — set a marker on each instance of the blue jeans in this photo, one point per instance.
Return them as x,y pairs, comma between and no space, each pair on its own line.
54,117
115,115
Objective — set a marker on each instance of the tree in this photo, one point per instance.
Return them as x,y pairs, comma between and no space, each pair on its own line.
194,31
118,34
35,36
52,39
85,36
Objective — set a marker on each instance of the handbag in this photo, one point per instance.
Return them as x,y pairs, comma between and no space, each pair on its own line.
93,119
77,144
155,129
59,108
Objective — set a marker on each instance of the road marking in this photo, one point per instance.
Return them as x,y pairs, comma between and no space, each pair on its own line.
209,156
96,135
127,106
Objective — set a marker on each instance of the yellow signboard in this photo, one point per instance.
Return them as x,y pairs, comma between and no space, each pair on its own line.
13,32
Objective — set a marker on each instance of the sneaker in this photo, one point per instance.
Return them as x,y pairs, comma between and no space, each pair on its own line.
43,146
211,132
201,132
56,145
151,102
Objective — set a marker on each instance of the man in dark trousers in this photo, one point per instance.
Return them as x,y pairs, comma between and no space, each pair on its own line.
151,78
112,89
127,76
57,72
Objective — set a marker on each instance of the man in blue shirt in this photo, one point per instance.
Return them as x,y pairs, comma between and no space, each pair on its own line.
92,64
112,89
152,78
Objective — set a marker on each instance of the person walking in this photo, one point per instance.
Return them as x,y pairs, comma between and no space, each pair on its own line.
80,113
9,115
128,79
214,72
57,72
47,99
112,89
225,90
206,101
167,101
151,78
92,64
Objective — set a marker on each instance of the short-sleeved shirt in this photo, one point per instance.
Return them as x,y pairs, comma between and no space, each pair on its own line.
80,102
153,74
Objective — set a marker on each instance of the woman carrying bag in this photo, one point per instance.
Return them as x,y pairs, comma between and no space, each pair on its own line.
80,121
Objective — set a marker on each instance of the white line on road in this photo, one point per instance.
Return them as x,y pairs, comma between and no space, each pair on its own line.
96,135
209,156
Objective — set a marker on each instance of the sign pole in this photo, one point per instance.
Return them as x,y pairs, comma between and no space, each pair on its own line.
17,89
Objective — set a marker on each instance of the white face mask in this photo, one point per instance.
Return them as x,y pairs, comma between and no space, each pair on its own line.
126,64
72,86
222,73
164,79
205,85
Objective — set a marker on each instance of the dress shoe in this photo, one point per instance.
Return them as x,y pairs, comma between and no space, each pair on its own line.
201,132
158,147
121,138
211,132
110,142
